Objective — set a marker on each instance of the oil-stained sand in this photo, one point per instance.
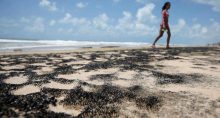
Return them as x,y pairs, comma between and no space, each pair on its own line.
179,82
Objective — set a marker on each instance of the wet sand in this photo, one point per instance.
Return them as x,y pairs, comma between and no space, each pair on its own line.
112,82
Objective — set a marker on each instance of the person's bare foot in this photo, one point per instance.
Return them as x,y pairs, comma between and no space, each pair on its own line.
153,46
167,47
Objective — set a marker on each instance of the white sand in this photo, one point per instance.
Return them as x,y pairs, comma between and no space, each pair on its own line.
4,63
26,90
130,110
123,83
211,93
187,67
126,75
16,80
96,82
110,53
105,71
44,70
69,76
61,109
67,56
87,88
147,83
86,56
39,64
57,85
13,67
83,62
83,75
101,59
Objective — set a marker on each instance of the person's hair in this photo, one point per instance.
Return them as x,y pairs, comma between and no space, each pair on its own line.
165,4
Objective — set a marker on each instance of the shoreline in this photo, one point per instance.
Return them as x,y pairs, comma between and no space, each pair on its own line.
82,49
19,51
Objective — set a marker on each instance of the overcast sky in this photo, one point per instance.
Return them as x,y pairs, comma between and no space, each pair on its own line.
191,21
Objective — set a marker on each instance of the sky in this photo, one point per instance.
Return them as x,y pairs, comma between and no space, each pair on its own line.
191,21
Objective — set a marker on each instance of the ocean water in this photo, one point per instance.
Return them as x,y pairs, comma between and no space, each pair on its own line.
8,45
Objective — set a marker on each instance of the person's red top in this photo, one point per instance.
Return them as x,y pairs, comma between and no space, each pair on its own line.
165,17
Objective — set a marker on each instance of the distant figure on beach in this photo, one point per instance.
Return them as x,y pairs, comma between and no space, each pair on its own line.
164,26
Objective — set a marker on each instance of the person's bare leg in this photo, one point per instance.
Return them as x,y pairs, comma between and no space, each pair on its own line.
158,37
168,38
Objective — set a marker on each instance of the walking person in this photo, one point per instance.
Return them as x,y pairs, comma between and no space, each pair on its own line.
164,26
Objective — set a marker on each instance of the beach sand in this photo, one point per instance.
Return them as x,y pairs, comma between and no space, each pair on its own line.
112,82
